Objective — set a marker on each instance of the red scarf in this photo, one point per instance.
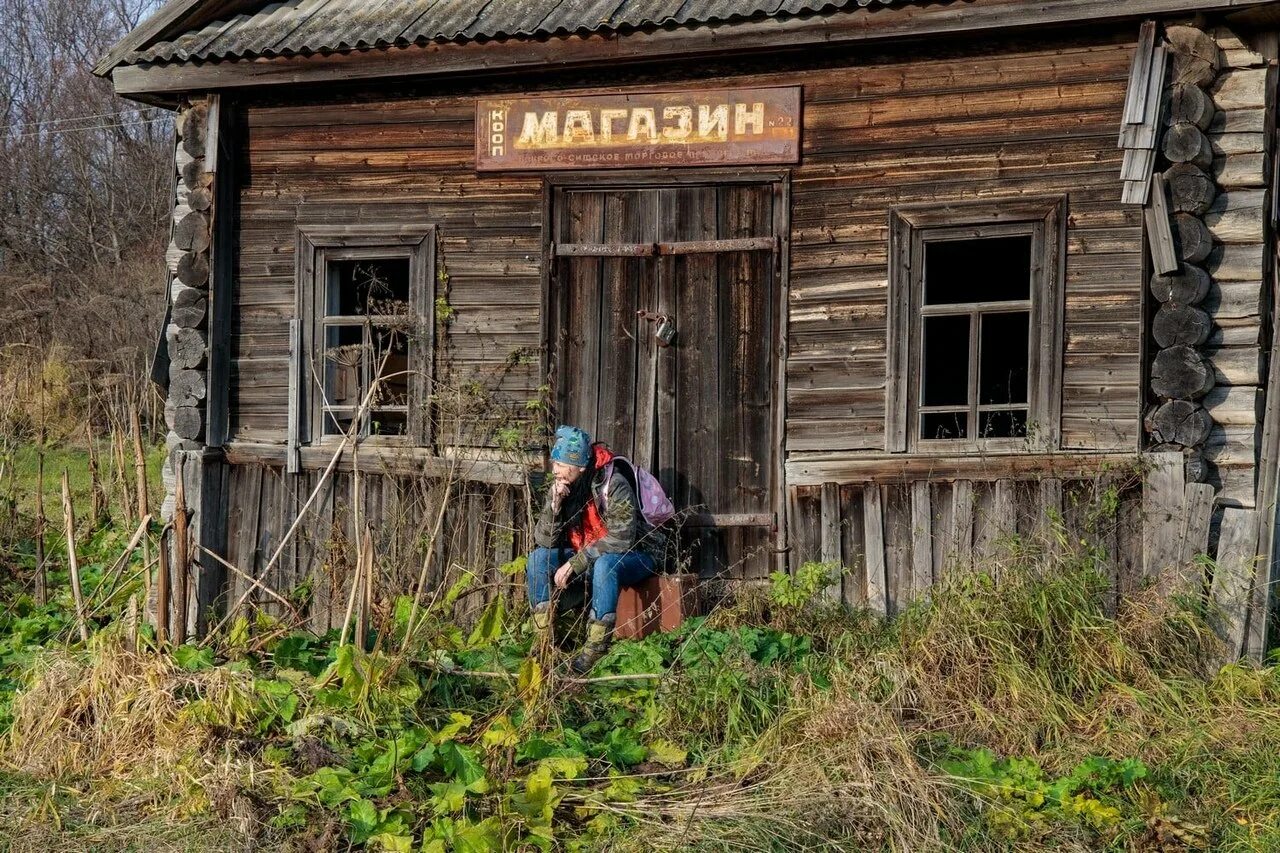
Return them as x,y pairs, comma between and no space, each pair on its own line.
592,527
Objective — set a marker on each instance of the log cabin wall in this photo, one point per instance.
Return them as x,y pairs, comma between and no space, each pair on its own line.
965,124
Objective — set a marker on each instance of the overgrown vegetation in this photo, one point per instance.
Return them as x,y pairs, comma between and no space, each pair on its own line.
1018,715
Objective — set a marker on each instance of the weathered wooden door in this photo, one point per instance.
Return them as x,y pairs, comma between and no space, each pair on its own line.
699,413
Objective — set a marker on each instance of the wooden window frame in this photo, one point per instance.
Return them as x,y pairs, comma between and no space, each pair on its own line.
319,244
910,228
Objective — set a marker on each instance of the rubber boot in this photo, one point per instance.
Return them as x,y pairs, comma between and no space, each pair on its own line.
599,638
540,624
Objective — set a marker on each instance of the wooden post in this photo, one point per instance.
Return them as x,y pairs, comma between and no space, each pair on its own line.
95,488
73,566
42,573
162,590
140,485
365,572
181,557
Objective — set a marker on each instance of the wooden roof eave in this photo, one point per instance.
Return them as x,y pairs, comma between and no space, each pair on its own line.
164,83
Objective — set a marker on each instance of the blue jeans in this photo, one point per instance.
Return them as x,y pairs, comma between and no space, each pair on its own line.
609,573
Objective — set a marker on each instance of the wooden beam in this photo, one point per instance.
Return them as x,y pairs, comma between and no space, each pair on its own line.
816,468
524,55
392,460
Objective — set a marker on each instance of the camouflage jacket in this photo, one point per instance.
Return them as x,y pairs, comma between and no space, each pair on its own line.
625,525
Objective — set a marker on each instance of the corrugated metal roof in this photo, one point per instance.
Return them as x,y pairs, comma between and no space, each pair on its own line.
317,26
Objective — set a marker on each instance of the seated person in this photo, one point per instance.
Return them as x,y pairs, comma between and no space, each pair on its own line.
589,527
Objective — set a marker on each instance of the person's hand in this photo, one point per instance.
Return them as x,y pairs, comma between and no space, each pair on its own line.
564,574
559,490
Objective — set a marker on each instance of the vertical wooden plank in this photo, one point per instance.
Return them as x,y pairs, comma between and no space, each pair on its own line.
1164,494
744,342
986,530
582,221
1234,576
897,545
294,440
628,218
805,511
781,201
852,543
873,553
667,439
1049,515
245,503
321,568
962,506
1004,519
698,403
943,522
921,538
1164,256
897,352
1135,93
830,518
1194,538
1129,523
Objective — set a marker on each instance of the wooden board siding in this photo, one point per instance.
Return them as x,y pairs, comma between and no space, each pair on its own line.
1008,125
378,163
1025,121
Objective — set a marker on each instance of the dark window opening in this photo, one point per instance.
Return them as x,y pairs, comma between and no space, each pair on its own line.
988,269
367,346
368,288
975,338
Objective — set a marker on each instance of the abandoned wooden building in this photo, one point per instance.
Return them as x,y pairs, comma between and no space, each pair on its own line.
881,283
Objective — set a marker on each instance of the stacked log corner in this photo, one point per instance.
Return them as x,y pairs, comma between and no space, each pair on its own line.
1209,329
1181,376
1206,372
189,295
189,263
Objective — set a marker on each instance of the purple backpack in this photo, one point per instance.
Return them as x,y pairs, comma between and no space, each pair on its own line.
655,506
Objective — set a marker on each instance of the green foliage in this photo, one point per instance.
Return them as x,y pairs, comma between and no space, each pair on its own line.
1020,801
466,741
794,592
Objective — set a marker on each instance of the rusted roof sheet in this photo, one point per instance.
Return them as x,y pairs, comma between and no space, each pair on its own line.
318,26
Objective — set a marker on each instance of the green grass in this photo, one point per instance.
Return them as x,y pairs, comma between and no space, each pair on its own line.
75,461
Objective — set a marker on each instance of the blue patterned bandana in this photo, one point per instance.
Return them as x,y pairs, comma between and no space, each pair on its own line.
572,447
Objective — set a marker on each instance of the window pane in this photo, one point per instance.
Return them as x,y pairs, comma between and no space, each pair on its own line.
388,423
344,357
1003,364
338,423
945,380
986,269
368,287
944,425
1010,424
